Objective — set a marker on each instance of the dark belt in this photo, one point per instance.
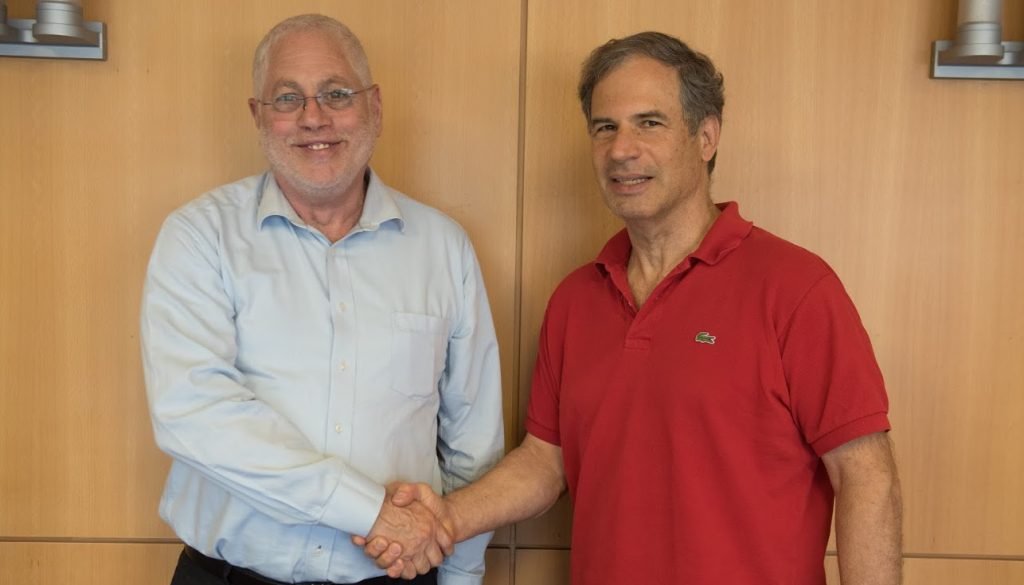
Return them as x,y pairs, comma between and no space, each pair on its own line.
239,576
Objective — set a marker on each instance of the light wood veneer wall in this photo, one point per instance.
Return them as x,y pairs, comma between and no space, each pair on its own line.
834,138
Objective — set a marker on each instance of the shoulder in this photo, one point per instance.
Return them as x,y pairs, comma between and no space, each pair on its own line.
199,226
782,271
581,280
577,295
781,258
416,212
429,228
233,200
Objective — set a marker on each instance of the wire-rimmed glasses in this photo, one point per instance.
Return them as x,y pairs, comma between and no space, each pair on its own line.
335,99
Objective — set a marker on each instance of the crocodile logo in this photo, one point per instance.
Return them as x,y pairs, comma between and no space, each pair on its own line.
705,337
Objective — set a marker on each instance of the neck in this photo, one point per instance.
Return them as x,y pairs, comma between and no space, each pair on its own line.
659,247
333,213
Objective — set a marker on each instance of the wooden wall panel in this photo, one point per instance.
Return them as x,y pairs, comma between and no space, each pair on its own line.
836,138
962,572
542,567
551,530
42,563
939,571
96,154
499,567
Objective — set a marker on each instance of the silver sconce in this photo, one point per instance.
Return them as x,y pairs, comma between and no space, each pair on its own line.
979,51
5,31
57,32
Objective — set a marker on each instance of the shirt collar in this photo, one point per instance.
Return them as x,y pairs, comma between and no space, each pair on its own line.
725,235
378,208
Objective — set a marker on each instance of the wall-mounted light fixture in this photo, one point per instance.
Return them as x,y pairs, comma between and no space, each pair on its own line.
57,32
6,32
979,51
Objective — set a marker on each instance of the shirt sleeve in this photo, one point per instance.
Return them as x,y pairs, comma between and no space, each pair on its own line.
542,416
836,389
204,415
470,426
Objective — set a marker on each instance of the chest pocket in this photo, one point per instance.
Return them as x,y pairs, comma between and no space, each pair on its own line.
418,352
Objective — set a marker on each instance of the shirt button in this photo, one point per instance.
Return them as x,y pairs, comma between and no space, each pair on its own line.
343,365
342,307
318,551
337,428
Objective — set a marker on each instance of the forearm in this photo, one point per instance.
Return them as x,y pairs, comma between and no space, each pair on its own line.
869,526
523,485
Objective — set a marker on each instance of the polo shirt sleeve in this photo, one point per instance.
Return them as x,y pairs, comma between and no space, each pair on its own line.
542,414
836,389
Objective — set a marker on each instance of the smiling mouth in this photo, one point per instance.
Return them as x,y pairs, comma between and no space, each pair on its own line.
318,146
631,180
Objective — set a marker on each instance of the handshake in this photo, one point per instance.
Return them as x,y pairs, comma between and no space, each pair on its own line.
414,531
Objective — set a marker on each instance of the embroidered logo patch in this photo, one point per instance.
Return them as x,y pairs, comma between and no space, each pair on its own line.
705,337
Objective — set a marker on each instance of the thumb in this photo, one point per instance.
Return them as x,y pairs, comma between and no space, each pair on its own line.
404,495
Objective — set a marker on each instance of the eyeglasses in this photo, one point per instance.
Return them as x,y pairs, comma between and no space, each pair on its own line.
335,99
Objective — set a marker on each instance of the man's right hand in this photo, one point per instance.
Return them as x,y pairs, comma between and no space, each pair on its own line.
523,485
410,535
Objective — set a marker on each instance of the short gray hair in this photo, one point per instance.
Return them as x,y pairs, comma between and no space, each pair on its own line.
701,86
353,48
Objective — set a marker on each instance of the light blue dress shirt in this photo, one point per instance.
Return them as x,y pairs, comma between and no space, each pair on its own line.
290,378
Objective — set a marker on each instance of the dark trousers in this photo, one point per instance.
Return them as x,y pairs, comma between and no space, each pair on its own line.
195,569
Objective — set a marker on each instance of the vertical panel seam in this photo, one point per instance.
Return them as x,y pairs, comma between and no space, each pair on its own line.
517,317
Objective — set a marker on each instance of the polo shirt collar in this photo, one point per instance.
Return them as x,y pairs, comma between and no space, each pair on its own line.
378,208
725,235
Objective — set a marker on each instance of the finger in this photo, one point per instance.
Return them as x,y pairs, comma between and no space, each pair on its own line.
434,555
396,570
409,572
376,547
445,541
358,540
422,564
390,556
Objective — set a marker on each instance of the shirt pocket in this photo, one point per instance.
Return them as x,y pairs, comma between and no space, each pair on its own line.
418,352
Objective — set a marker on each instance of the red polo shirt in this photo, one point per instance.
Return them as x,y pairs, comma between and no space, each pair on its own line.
692,429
